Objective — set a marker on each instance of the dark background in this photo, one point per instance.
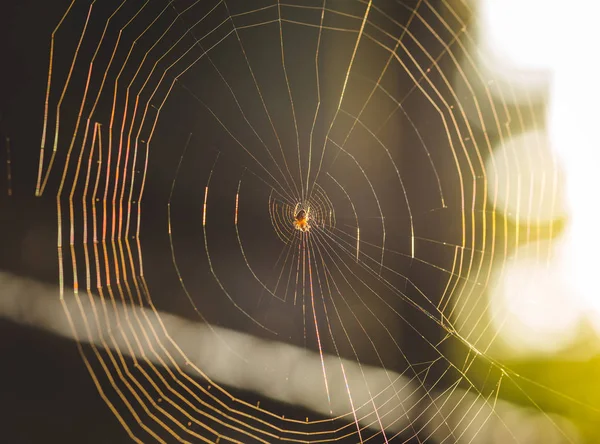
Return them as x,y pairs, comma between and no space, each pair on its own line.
47,395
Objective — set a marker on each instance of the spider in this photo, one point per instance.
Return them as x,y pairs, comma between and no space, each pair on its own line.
301,220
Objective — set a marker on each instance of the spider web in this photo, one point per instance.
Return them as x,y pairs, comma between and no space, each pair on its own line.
180,138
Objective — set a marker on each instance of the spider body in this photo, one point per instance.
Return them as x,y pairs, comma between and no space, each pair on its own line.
301,221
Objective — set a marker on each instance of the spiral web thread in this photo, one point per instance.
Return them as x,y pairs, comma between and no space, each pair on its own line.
237,114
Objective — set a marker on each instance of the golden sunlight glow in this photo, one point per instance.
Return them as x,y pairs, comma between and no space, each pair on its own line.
521,33
538,304
518,47
523,173
573,122
531,305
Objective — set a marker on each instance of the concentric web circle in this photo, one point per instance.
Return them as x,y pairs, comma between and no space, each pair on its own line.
277,220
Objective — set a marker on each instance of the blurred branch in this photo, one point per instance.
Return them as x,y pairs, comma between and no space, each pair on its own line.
380,399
